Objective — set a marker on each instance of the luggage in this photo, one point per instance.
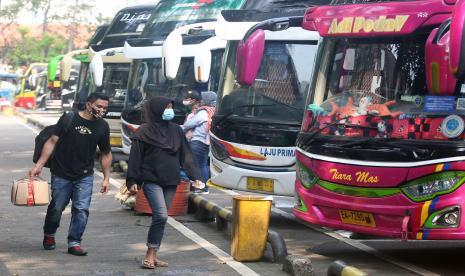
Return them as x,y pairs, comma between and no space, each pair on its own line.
30,192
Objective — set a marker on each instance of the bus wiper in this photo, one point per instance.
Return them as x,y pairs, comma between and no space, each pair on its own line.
389,142
338,123
281,103
229,114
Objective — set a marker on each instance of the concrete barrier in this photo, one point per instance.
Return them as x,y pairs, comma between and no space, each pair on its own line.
297,265
340,268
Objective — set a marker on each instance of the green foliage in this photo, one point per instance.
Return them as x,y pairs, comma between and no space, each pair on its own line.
33,50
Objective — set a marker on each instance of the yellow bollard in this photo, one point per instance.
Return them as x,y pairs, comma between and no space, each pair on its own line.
251,217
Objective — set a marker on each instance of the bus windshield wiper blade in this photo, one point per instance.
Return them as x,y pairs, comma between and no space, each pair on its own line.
339,123
389,142
229,114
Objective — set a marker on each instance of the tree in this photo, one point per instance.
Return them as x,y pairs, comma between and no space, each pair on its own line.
8,15
77,13
44,8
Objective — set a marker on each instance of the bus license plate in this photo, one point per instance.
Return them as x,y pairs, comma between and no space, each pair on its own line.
116,141
260,184
357,218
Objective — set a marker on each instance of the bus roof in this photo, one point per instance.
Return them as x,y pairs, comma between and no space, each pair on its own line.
127,23
171,14
279,5
376,19
98,34
8,76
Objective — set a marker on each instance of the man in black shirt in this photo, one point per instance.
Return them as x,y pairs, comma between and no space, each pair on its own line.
73,147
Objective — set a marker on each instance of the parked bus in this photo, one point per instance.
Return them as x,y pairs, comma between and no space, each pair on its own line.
51,98
69,74
111,79
381,147
114,81
26,94
255,125
9,84
147,78
70,100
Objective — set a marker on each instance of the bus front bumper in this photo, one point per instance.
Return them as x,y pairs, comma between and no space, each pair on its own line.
394,216
266,182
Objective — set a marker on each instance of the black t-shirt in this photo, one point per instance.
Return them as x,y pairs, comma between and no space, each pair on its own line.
75,150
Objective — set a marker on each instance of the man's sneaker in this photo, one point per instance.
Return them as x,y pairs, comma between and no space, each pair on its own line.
49,243
203,191
77,251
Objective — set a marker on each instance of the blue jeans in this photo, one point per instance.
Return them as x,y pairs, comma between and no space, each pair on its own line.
63,190
200,152
159,199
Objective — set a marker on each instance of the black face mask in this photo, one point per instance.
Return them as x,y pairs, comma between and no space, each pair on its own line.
96,113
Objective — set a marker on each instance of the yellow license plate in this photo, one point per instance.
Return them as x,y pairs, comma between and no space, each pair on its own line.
116,141
260,184
357,218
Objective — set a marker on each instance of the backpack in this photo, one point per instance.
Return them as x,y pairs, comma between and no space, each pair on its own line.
45,134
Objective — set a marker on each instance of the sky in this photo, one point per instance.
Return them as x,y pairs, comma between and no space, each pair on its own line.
102,6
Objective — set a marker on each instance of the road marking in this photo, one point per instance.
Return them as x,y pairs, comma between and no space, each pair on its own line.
34,130
353,243
220,254
113,182
188,233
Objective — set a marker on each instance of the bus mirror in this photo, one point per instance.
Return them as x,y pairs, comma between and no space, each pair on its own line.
439,78
171,55
32,82
249,56
309,20
202,65
65,68
457,40
96,69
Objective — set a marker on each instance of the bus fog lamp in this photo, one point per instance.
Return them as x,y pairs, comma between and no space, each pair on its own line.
449,217
297,201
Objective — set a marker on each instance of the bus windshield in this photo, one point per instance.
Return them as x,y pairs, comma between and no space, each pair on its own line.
169,16
114,83
147,81
383,99
279,91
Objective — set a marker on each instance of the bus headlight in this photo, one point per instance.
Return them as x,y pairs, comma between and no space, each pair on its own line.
428,187
218,151
307,178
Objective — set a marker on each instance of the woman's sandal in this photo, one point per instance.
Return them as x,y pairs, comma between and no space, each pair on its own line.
159,263
148,264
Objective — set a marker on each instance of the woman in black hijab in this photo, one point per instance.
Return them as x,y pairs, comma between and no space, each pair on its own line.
159,149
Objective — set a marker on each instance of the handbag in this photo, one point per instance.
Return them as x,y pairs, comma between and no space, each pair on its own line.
30,191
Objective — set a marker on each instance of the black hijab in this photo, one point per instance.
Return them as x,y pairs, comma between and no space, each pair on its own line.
156,131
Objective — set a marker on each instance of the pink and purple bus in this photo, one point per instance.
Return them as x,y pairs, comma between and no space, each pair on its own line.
382,145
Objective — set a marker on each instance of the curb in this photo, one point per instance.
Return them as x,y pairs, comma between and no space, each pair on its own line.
340,268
